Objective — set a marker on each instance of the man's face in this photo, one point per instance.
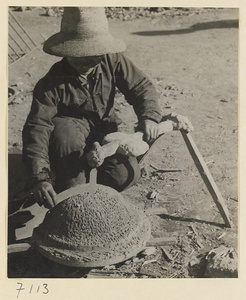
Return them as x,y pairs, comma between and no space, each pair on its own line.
84,65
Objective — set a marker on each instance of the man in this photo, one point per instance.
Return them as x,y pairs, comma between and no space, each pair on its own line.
73,106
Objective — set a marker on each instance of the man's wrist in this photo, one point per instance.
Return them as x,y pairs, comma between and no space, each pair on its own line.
148,119
41,177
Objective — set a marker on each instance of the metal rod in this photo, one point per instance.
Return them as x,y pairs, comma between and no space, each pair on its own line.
207,177
22,29
20,36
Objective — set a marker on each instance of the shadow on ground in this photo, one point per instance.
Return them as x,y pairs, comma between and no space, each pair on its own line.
192,220
31,264
193,28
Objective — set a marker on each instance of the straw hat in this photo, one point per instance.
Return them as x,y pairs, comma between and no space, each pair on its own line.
84,32
92,228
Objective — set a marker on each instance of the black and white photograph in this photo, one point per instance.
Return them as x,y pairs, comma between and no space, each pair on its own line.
122,143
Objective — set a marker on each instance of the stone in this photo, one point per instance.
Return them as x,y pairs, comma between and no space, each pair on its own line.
149,251
93,229
197,265
222,263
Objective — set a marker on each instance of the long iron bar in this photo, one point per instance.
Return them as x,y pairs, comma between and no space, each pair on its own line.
207,177
22,28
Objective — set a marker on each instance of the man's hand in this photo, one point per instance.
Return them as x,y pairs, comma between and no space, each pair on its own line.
150,130
180,122
44,194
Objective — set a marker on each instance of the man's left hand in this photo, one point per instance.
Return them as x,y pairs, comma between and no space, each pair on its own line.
150,130
181,122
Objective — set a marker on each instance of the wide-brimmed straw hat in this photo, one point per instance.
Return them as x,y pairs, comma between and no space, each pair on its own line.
84,32
92,228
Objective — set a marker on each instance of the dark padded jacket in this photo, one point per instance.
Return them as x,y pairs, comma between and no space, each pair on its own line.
62,91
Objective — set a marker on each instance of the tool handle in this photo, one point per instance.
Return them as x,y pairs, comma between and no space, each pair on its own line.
207,177
93,176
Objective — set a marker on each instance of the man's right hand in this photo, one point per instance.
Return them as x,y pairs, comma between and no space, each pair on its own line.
44,194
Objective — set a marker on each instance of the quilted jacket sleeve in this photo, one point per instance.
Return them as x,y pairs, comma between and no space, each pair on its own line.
138,90
37,130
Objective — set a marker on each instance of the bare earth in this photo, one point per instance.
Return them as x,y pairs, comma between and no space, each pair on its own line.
193,61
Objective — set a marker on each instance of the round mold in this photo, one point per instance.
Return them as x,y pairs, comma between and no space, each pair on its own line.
92,229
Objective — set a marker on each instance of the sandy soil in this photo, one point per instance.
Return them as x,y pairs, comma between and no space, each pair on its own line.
193,61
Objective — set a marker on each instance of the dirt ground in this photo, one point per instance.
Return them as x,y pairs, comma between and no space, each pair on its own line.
193,60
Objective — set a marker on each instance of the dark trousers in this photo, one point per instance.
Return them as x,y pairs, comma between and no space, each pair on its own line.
70,140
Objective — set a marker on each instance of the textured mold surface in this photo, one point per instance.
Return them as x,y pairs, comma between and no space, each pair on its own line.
93,229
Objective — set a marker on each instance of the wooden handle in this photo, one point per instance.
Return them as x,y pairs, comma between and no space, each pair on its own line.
207,177
93,177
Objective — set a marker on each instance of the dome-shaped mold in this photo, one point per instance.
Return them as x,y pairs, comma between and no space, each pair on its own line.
92,229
